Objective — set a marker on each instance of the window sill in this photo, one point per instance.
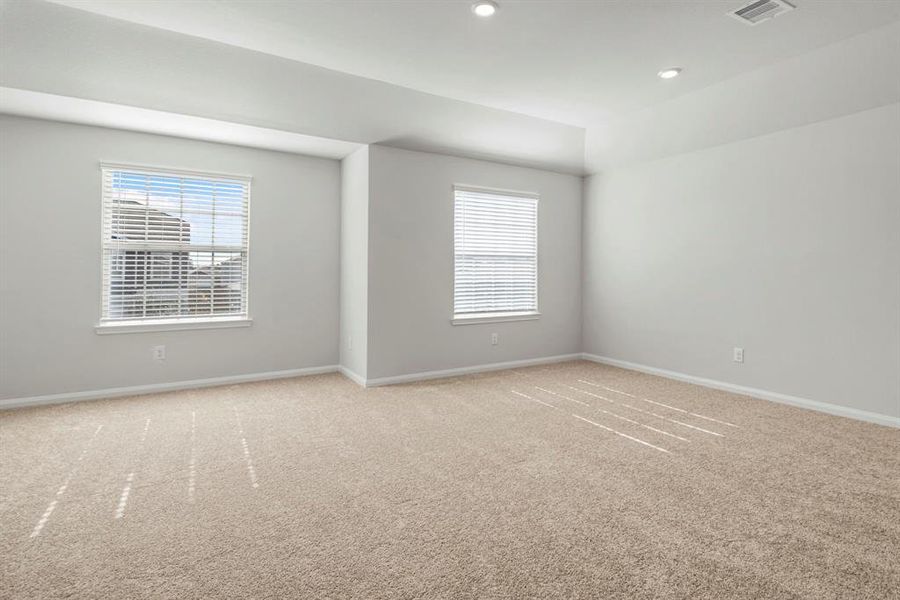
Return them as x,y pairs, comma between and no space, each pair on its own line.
171,325
495,318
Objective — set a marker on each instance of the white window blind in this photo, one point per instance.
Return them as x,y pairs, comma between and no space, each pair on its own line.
495,253
174,245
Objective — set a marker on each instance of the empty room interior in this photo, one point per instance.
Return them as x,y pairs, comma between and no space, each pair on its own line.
396,299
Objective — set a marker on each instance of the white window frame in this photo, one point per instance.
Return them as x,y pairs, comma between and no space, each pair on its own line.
115,326
502,316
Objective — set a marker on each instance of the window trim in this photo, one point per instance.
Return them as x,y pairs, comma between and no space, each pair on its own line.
115,327
502,316
497,317
104,326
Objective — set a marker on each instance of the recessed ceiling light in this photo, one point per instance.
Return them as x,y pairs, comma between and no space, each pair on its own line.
669,73
485,8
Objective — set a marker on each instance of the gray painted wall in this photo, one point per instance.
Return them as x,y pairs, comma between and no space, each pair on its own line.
50,263
355,261
787,245
411,265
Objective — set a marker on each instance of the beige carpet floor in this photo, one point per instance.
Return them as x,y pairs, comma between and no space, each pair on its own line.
566,481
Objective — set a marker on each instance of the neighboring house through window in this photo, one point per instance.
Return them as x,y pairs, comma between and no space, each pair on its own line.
175,245
495,255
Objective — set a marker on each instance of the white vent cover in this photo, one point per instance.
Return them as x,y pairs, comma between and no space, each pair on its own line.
760,10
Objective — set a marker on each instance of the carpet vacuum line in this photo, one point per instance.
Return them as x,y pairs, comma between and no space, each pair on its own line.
610,429
681,410
612,414
62,489
647,412
129,480
251,470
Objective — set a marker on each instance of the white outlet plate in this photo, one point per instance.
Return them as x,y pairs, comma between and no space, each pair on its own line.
739,355
159,353
495,339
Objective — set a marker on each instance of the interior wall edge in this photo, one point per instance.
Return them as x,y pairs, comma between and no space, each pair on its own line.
153,388
64,51
649,160
826,83
482,368
352,375
824,407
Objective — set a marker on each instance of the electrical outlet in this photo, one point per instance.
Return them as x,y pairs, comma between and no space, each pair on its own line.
159,353
495,339
739,355
349,342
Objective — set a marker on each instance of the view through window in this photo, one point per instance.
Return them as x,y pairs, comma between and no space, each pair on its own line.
495,253
175,245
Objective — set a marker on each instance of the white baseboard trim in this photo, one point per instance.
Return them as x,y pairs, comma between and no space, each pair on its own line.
426,375
160,387
353,376
834,409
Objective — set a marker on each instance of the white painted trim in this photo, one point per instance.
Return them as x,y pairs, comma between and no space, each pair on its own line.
114,327
509,317
462,187
161,387
165,171
353,376
833,409
425,375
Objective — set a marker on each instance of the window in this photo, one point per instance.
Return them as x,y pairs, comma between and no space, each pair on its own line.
162,266
174,247
495,255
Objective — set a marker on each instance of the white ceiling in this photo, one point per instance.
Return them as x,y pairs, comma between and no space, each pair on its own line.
68,53
26,103
577,62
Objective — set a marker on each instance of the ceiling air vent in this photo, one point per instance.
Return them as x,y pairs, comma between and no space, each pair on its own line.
757,12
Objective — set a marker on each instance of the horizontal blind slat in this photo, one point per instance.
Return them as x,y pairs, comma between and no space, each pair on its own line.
175,244
495,252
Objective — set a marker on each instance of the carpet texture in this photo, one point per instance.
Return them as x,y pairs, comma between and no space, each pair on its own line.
567,481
